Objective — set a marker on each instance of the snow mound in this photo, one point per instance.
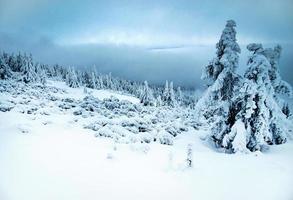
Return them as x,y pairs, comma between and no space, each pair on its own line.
78,93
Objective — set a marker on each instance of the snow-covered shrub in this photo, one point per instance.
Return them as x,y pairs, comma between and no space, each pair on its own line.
105,131
165,138
90,103
172,130
77,112
95,126
146,137
144,126
111,103
120,131
131,125
31,110
68,103
6,106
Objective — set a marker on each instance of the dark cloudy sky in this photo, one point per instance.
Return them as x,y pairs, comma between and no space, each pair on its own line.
152,40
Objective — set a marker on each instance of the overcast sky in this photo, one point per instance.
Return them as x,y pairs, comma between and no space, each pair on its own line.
152,40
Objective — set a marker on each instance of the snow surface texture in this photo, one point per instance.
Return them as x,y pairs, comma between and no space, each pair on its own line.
119,117
47,151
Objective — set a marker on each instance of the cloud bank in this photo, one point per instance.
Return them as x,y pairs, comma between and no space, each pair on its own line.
142,40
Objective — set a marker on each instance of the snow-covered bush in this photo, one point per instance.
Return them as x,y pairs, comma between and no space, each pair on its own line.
165,138
6,106
90,103
68,103
105,131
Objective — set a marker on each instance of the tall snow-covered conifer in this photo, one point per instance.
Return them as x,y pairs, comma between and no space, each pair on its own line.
147,97
179,96
41,74
267,121
215,107
28,70
93,81
165,95
5,71
171,100
281,87
71,78
257,120
168,97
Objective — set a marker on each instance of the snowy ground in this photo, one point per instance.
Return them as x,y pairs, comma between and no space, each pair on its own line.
49,157
78,93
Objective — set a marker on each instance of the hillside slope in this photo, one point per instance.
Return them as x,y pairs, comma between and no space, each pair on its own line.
48,151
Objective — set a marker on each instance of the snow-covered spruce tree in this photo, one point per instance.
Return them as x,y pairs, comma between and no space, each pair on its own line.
281,87
85,79
215,108
5,71
171,100
159,101
109,82
79,76
93,81
41,74
50,72
147,97
267,123
258,120
227,54
28,70
165,95
54,72
168,97
71,78
18,63
100,82
179,96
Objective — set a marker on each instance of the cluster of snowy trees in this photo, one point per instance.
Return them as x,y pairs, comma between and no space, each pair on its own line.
245,112
167,97
22,67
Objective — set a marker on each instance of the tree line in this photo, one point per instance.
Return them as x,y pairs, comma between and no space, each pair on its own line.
22,67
